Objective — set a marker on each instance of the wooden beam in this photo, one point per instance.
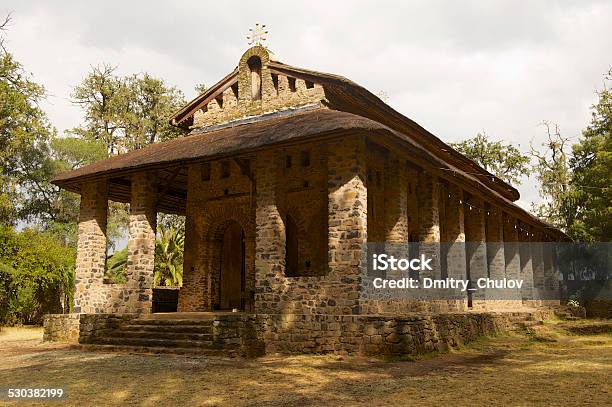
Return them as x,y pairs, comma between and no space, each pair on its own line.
166,186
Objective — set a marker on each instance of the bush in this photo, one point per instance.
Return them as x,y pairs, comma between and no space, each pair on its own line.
36,276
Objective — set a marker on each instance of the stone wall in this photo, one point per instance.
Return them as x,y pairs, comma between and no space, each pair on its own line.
371,335
241,99
333,286
220,192
259,334
61,327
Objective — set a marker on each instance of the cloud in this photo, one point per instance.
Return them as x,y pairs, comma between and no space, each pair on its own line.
455,67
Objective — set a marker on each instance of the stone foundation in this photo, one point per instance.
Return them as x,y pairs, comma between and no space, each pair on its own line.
260,334
61,327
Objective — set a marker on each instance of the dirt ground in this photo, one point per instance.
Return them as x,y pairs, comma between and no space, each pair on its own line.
559,363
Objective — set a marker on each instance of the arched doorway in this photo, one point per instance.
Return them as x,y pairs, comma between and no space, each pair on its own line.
232,270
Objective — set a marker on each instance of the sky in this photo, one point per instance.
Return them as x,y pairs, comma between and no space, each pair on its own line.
456,68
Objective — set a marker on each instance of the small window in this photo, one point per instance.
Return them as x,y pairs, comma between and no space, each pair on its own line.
225,169
246,167
305,158
275,82
309,85
288,161
205,169
292,84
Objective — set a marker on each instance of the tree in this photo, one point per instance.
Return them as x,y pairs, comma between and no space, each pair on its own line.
25,134
503,160
591,163
169,257
552,170
36,275
126,113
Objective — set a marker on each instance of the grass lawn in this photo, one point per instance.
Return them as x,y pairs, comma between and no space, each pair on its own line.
559,363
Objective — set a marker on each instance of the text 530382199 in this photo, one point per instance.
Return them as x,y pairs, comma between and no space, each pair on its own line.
32,393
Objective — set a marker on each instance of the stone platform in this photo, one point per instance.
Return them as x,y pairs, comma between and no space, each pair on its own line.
248,334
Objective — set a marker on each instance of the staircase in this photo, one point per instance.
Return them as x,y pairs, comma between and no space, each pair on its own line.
153,334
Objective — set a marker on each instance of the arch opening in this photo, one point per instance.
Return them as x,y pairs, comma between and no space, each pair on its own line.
254,64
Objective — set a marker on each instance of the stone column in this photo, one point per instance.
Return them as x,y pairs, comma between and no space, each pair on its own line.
89,297
396,212
537,263
551,281
456,233
476,247
495,246
269,236
194,295
141,243
347,222
455,240
427,195
526,263
512,255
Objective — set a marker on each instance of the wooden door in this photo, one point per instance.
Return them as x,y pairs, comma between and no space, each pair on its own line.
232,268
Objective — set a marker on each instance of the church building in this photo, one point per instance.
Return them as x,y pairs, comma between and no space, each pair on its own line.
286,178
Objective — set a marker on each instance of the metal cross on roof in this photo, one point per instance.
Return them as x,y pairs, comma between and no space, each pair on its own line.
258,34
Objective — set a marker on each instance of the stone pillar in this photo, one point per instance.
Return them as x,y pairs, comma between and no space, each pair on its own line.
89,297
456,233
455,240
347,222
476,247
141,243
495,246
551,281
427,195
512,255
194,295
537,263
526,262
396,212
269,236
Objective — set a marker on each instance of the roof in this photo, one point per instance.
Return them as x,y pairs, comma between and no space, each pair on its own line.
246,136
234,138
344,94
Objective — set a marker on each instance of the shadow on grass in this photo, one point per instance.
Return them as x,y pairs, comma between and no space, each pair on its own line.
487,369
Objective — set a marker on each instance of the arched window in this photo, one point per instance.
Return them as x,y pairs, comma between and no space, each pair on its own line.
291,248
254,64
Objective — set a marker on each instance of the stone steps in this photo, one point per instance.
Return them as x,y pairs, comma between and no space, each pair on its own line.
149,334
156,342
196,329
125,333
171,322
157,350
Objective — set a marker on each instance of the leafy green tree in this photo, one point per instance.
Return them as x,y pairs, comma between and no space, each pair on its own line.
36,275
24,144
169,257
503,160
126,113
591,163
116,267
